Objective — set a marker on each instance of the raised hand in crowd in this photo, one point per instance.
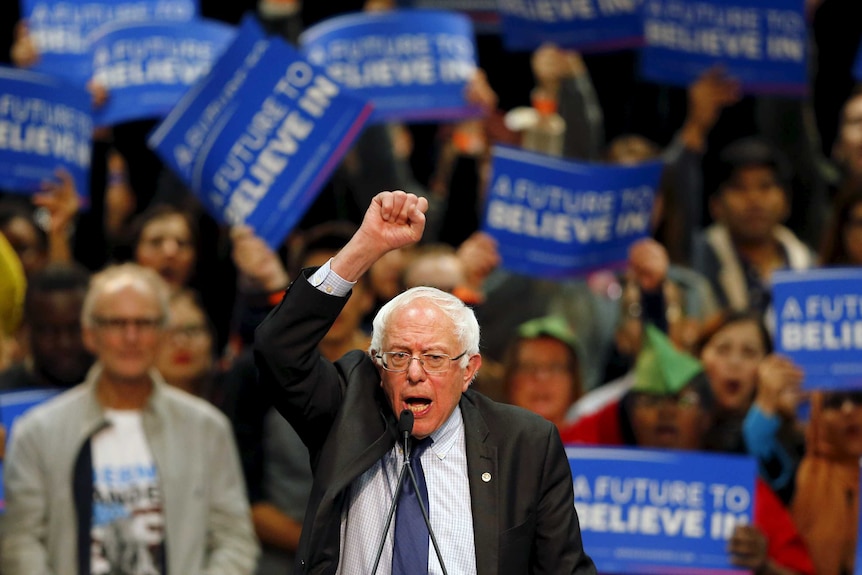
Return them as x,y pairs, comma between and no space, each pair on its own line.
648,263
551,65
480,257
378,5
24,53
98,93
779,386
711,93
61,200
480,93
259,266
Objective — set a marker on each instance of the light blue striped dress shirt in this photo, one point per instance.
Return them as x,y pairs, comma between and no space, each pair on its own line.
370,495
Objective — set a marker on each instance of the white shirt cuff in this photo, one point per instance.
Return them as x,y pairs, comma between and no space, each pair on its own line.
330,282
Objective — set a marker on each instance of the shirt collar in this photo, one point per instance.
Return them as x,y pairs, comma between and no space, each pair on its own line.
447,434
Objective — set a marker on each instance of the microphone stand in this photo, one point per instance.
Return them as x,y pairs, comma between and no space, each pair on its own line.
405,428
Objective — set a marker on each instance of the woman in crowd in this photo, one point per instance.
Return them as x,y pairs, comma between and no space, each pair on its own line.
756,393
187,358
168,239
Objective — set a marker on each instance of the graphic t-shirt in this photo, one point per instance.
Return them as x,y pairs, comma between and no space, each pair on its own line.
127,525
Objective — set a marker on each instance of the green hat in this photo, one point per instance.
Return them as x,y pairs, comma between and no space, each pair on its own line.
551,326
661,369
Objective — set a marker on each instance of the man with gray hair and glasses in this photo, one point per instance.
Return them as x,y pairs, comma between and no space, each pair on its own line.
492,479
124,474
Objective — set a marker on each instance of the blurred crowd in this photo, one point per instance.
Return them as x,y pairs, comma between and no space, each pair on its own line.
674,351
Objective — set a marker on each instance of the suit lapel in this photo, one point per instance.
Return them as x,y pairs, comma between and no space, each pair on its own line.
361,441
485,487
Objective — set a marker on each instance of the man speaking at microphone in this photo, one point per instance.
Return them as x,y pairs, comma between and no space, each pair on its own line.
494,479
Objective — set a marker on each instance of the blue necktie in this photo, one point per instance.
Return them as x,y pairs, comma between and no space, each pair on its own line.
410,551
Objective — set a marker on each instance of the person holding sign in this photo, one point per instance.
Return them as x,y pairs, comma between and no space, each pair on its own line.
499,488
671,406
756,394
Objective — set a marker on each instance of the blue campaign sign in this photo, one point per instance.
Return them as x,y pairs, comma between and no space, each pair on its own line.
483,13
412,65
147,67
60,28
44,125
661,511
818,317
13,404
556,218
857,64
762,43
584,25
260,134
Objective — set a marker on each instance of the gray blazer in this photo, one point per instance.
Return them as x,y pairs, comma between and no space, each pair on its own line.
208,526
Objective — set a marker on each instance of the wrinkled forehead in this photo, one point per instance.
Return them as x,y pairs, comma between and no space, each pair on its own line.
420,322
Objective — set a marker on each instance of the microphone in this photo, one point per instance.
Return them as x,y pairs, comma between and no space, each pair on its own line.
405,428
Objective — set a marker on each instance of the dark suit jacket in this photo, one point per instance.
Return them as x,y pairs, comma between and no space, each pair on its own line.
524,519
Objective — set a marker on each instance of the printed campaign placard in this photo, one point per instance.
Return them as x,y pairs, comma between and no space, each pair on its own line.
483,13
584,25
556,218
59,28
45,124
818,324
412,65
13,404
147,67
646,511
260,134
761,43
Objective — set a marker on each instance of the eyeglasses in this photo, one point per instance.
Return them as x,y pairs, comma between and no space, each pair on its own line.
188,331
398,361
121,324
836,400
685,400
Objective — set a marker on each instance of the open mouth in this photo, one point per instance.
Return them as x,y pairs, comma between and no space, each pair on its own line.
666,434
732,386
418,405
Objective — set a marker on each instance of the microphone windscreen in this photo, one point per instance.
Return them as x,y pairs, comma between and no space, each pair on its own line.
405,422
